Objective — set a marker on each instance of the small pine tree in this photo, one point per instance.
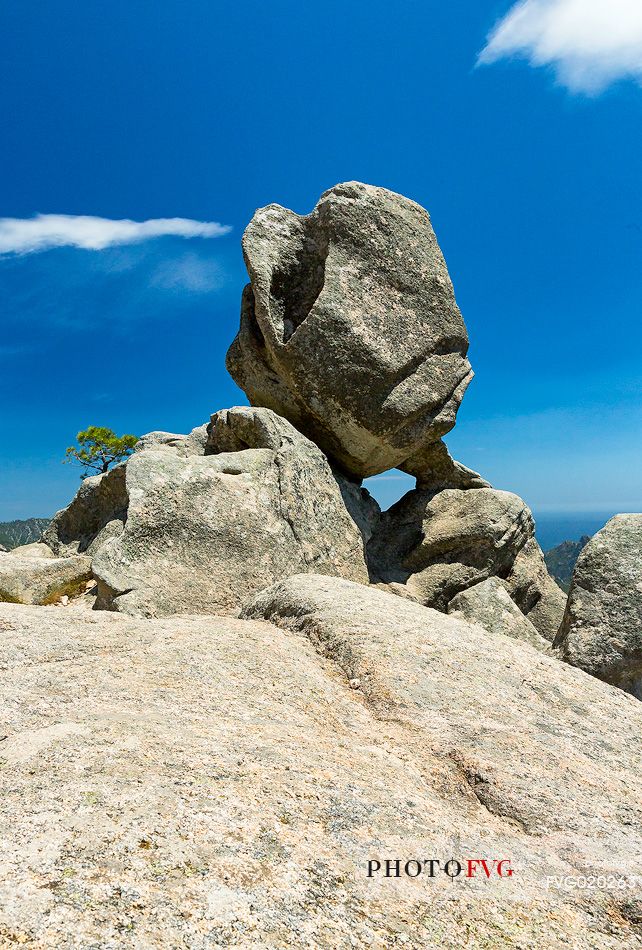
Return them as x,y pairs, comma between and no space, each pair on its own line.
98,448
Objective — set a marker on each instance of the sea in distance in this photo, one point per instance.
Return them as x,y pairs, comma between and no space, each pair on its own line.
551,527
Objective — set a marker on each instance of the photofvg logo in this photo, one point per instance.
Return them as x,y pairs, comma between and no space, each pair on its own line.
467,868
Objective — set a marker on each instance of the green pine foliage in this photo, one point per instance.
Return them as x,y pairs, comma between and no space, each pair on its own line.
98,449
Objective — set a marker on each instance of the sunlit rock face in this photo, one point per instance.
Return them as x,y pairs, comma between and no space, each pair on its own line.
349,327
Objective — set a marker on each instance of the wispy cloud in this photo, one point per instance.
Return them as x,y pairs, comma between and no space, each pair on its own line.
189,272
45,231
590,43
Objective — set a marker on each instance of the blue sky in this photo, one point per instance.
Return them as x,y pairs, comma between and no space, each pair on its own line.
529,163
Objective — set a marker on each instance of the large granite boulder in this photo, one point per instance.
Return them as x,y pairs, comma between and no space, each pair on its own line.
602,627
240,428
349,326
206,782
35,579
173,531
440,543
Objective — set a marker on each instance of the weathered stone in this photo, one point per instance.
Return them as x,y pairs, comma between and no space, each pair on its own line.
99,509
96,514
246,427
3,550
476,708
602,627
201,532
35,549
349,327
435,469
534,590
184,445
442,543
41,580
490,605
206,782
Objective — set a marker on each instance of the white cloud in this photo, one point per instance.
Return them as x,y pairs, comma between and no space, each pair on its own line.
590,43
44,231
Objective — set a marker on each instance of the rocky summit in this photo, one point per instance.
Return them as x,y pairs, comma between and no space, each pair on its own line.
243,707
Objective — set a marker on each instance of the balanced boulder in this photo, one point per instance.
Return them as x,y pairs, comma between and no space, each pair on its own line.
602,627
349,326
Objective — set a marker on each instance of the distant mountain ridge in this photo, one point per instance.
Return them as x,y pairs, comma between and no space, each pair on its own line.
561,560
15,533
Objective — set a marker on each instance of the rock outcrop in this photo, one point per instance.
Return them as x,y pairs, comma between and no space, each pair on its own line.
96,514
215,781
173,531
490,605
36,579
534,590
35,549
440,543
351,334
349,326
204,782
602,627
